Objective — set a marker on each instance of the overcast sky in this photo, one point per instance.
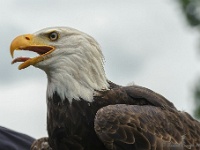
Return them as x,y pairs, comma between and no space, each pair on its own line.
145,42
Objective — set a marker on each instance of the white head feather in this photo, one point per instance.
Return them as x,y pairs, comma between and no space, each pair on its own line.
75,69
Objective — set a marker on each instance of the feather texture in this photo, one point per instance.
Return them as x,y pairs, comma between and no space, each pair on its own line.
122,118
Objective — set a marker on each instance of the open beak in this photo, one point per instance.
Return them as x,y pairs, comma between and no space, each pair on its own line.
33,43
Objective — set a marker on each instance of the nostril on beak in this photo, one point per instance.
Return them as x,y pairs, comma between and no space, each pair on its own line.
26,37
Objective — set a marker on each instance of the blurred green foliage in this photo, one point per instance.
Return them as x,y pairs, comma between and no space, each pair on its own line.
197,100
191,10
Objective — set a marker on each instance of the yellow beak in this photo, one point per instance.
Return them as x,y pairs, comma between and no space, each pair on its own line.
31,43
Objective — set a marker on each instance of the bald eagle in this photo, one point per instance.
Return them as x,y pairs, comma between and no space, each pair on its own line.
86,111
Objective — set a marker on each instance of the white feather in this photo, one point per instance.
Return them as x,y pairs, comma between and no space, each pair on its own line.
75,69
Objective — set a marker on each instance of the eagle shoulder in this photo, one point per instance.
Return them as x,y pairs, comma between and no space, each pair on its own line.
143,119
143,127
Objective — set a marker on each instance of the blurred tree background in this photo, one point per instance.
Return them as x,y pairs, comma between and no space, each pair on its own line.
191,10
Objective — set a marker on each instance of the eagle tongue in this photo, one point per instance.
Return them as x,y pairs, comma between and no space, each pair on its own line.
20,59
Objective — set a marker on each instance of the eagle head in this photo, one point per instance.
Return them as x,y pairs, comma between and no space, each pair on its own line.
72,60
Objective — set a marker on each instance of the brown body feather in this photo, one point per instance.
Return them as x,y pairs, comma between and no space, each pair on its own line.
122,118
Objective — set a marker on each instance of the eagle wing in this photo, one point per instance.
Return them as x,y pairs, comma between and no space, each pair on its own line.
137,93
145,127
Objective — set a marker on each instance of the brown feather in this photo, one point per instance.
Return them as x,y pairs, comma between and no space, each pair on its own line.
121,118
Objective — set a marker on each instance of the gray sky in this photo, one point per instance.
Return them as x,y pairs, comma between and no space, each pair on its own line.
145,42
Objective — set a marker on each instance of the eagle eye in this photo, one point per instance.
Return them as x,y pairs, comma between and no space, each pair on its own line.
53,36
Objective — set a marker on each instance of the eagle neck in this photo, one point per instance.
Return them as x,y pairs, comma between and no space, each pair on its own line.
71,83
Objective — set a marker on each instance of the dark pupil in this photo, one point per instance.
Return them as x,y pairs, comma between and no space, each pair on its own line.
53,35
